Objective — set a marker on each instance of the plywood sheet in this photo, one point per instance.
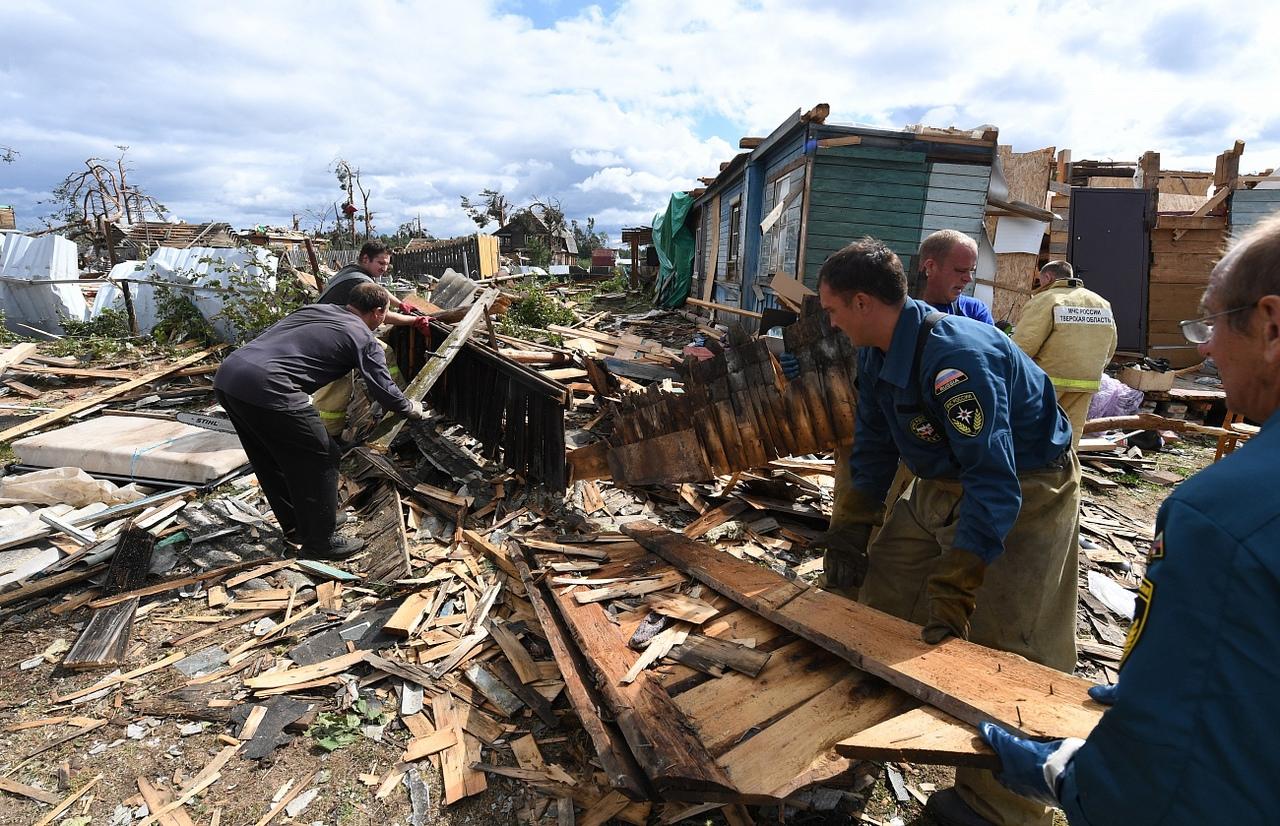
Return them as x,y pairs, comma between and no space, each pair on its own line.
136,447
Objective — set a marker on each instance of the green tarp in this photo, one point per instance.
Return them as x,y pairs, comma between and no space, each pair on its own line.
673,240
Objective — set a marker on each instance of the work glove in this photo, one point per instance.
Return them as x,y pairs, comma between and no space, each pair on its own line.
1105,694
844,555
1028,767
952,592
423,325
790,366
416,412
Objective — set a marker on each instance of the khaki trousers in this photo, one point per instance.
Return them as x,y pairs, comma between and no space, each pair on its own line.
1076,406
1026,605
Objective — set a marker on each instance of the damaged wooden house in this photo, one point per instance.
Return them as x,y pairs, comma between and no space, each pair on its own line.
773,214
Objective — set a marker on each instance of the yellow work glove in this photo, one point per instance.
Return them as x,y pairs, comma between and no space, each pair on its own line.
952,591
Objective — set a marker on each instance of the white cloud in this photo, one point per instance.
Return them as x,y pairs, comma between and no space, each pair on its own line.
236,111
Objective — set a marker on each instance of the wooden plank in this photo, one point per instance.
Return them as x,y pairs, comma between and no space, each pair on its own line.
521,661
420,747
635,588
105,640
654,727
409,615
615,757
31,792
681,607
922,735
17,354
969,681
172,584
87,402
422,383
767,761
714,518
460,780
307,673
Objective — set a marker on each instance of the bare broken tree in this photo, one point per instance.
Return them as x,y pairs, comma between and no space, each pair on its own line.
349,180
8,154
491,206
86,202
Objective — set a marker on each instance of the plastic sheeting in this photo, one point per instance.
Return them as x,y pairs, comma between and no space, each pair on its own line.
1114,398
66,486
673,241
201,267
25,263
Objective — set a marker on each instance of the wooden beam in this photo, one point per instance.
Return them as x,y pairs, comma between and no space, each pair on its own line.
615,757
16,354
422,383
971,682
711,305
92,401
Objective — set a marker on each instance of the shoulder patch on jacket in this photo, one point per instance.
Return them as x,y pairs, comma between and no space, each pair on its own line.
964,411
947,378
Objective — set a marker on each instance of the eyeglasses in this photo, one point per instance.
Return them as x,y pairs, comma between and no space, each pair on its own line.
1199,330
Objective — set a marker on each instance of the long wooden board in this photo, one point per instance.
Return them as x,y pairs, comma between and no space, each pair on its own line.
69,410
615,757
971,682
655,729
422,383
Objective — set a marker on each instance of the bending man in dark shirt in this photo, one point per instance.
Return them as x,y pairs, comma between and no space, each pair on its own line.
265,388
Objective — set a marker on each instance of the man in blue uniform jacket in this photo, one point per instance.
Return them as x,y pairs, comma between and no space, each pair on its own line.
982,544
1191,734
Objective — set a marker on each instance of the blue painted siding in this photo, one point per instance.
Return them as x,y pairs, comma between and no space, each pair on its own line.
1250,206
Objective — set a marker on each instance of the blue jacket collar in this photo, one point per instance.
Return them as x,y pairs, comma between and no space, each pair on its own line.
896,369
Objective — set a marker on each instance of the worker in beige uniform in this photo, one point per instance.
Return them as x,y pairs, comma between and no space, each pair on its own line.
1069,331
947,259
372,263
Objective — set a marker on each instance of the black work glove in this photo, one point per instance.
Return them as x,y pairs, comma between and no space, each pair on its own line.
844,557
952,591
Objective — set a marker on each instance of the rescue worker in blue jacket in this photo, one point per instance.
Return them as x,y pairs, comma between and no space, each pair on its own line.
982,545
1191,734
947,260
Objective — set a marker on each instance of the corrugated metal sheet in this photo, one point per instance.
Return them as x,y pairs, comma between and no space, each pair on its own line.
1250,206
25,262
201,267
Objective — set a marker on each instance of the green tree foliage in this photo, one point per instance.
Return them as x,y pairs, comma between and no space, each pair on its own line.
587,237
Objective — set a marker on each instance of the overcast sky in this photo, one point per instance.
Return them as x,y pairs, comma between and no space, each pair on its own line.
235,111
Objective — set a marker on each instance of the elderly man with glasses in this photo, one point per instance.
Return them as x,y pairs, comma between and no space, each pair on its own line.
1190,735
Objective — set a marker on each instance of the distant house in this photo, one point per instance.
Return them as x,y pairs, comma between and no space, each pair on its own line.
281,240
514,237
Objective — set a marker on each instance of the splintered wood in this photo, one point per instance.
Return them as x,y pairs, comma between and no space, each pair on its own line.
737,412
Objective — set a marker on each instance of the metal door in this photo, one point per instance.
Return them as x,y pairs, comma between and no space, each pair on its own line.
1109,247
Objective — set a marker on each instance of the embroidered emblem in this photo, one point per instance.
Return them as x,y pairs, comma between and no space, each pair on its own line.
964,411
924,430
1142,604
947,379
1157,548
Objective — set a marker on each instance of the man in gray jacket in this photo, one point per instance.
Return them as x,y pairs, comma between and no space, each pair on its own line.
265,388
